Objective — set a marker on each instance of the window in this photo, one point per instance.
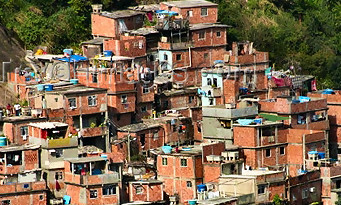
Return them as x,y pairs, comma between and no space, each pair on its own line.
189,184
190,98
41,197
143,139
144,108
268,152
145,90
201,35
178,57
165,57
139,190
203,11
301,119
189,13
94,78
205,55
164,161
156,135
92,100
211,101
93,194
338,184
215,82
183,162
6,202
218,34
72,103
124,99
282,150
261,189
304,193
165,104
59,153
209,81
24,132
58,175
109,190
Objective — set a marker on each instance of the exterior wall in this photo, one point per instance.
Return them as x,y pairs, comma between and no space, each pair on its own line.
152,192
116,105
175,177
37,197
305,182
131,46
212,13
81,196
211,38
205,56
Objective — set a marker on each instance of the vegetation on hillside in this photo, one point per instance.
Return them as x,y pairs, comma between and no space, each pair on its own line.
300,33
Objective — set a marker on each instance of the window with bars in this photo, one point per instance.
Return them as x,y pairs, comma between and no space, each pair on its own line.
92,100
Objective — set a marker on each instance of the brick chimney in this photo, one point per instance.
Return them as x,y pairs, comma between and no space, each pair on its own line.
96,8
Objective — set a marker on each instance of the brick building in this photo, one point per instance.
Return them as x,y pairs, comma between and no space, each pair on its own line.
93,180
83,108
21,180
146,191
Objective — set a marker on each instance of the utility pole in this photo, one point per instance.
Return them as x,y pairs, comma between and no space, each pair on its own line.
128,146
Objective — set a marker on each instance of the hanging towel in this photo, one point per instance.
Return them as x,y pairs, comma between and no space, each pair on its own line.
57,185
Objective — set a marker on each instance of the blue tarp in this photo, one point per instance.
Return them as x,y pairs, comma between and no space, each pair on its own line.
245,121
303,99
73,58
328,91
165,12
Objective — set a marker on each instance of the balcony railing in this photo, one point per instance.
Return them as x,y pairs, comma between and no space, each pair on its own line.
93,131
108,178
172,24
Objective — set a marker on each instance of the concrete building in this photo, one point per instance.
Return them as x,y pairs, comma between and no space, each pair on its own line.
218,121
254,186
56,146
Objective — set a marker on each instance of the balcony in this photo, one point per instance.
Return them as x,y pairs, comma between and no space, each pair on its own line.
169,24
108,178
93,131
12,169
22,187
55,143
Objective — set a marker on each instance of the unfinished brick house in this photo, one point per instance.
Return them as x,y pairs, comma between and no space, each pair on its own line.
21,180
56,146
333,100
93,180
305,189
83,108
16,128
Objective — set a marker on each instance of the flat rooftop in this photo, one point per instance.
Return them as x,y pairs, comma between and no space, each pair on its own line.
189,3
22,118
251,174
96,41
85,159
139,126
48,125
74,89
145,8
121,14
207,25
264,124
13,148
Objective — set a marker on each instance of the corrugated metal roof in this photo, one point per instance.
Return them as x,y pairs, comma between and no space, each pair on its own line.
189,3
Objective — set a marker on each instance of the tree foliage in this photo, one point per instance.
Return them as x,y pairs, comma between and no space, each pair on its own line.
56,24
303,33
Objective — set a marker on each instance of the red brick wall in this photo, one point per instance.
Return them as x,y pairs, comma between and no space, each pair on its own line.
211,38
104,26
212,13
151,192
27,198
115,103
212,53
127,46
245,136
212,172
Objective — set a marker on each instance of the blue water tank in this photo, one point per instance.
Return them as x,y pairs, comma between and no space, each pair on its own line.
321,155
74,81
107,53
67,199
201,187
192,202
3,141
167,149
49,87
40,87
